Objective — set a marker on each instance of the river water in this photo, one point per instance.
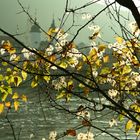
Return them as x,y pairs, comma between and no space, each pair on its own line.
36,118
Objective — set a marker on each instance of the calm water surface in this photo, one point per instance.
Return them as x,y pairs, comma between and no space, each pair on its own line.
36,118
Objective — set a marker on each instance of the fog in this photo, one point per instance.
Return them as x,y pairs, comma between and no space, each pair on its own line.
12,18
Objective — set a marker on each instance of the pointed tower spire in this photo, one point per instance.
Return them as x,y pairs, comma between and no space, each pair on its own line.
53,24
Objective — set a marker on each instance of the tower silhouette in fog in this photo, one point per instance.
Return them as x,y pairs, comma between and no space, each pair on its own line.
35,35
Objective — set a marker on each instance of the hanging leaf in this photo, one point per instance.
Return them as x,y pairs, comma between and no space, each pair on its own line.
101,47
34,83
16,105
128,125
71,132
24,98
98,62
126,69
93,52
79,66
9,90
4,96
4,63
47,78
1,107
106,58
86,91
105,70
52,58
68,97
137,129
81,85
17,80
63,65
61,95
24,75
8,104
120,40
86,123
15,96
1,77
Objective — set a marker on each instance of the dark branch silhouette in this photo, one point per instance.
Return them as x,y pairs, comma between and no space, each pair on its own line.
132,7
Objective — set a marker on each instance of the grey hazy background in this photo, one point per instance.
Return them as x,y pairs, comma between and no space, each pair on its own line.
45,10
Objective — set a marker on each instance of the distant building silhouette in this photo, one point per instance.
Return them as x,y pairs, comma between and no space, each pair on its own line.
44,44
35,36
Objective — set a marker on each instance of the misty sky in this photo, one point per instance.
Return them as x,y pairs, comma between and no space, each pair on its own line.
43,10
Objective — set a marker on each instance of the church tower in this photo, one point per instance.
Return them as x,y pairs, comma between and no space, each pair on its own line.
52,24
35,34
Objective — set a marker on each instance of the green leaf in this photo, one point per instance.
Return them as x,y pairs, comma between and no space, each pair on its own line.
105,70
4,63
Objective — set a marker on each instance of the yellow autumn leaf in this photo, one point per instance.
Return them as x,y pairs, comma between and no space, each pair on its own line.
61,95
105,70
4,96
16,105
24,75
52,58
137,129
106,58
63,65
15,96
101,47
98,62
120,40
8,104
81,85
68,97
126,69
79,66
84,58
9,90
24,98
9,79
92,52
50,33
17,80
1,77
46,78
11,50
4,63
1,107
70,83
34,83
128,125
